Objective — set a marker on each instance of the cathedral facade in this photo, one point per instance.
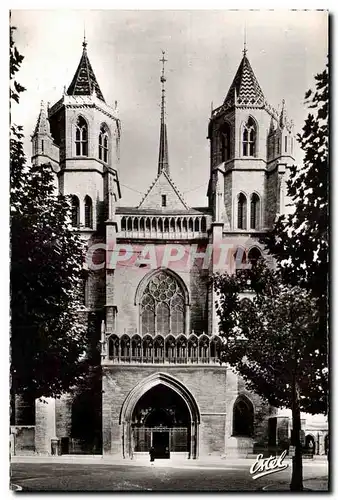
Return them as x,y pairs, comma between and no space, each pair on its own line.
148,298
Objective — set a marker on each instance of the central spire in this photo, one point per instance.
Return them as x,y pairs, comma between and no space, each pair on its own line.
163,161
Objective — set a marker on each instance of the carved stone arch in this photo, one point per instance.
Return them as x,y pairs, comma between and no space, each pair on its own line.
241,210
215,346
150,382
81,135
144,281
172,225
191,224
88,211
255,210
193,346
136,346
75,210
113,346
224,139
203,224
159,346
249,118
254,254
203,346
125,346
243,416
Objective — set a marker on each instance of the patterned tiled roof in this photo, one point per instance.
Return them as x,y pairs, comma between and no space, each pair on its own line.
245,87
84,81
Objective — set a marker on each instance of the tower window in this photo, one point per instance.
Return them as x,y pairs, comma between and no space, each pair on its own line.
249,138
278,146
286,143
241,211
103,143
81,137
88,212
254,211
42,146
75,211
164,200
225,142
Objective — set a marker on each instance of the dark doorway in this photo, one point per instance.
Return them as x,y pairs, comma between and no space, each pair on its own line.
161,419
161,444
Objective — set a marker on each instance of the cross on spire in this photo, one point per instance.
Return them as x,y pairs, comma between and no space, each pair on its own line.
163,162
245,49
163,80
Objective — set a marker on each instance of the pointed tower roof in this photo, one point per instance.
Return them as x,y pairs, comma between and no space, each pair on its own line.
84,81
42,125
163,157
245,88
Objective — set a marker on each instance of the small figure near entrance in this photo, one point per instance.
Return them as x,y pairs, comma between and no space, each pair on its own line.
152,455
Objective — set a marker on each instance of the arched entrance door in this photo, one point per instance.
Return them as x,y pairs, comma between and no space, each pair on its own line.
161,420
160,413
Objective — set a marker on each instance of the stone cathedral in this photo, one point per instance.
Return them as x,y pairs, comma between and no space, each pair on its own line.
148,302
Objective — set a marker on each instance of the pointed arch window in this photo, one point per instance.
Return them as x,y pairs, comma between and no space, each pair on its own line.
103,143
254,255
88,206
241,211
162,306
81,137
254,211
243,417
75,211
249,138
225,142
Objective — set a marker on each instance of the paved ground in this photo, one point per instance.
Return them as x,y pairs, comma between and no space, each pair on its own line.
160,477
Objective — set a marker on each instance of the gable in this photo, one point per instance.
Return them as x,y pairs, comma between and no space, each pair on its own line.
163,186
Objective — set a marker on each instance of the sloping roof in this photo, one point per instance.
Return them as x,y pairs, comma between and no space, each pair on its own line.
84,81
245,86
42,125
163,184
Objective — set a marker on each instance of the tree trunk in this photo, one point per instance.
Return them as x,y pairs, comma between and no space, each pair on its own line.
297,465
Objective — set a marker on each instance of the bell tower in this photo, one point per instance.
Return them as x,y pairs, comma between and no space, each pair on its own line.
251,144
87,132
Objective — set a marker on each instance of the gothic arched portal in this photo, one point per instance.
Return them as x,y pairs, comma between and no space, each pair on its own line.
160,412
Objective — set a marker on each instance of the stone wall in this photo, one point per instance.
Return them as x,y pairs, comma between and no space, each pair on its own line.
206,384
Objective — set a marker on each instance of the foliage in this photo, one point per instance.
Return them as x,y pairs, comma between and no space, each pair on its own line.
47,332
299,241
273,337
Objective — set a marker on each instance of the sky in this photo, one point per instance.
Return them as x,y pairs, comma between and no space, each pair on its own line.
204,49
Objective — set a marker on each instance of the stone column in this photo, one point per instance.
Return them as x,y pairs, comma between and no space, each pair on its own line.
45,425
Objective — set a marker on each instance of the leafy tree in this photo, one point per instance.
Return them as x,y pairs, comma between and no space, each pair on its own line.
47,330
273,343
299,241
